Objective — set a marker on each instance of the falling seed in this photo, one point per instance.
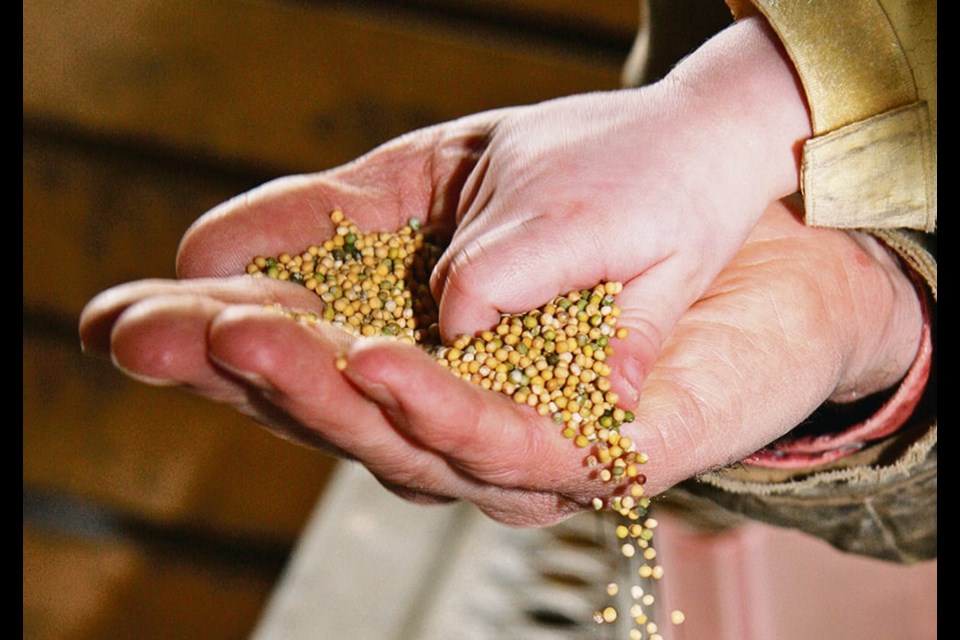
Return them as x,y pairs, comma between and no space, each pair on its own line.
553,359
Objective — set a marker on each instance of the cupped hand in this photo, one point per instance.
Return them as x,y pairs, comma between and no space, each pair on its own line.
800,316
656,188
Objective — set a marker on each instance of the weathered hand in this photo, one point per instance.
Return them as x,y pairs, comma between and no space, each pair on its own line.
658,188
800,316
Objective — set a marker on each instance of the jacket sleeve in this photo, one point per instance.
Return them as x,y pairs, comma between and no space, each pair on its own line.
868,68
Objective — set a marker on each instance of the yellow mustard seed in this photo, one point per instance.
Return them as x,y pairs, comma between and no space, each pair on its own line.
552,359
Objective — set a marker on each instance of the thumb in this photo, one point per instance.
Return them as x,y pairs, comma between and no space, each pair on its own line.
650,306
723,388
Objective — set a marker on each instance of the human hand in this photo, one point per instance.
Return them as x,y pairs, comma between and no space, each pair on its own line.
214,337
656,188
539,204
800,316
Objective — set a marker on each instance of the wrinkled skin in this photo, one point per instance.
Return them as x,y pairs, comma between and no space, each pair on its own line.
742,321
769,341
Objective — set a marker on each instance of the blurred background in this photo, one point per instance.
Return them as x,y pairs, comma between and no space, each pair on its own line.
148,513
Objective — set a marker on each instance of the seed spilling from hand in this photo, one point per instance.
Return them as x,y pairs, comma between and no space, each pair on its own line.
553,359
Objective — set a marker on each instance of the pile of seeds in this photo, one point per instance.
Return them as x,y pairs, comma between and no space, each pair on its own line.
371,284
553,359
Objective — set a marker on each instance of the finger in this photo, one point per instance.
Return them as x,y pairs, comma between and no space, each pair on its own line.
650,305
162,340
646,325
510,268
100,314
513,507
484,434
306,385
521,263
413,495
284,215
527,508
293,367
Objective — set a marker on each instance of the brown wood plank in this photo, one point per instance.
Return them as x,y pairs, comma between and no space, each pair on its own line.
614,16
617,18
106,217
285,86
161,454
79,589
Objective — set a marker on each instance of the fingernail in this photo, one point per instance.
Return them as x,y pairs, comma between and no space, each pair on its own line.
140,377
250,377
376,391
352,366
625,384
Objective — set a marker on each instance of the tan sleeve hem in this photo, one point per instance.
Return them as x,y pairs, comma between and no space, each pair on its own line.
848,181
856,469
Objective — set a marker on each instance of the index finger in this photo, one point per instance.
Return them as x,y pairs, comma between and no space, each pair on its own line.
484,434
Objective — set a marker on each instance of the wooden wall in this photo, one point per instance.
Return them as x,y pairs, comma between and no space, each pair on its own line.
149,513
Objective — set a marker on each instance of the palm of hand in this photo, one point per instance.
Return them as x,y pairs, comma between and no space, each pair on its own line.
716,393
